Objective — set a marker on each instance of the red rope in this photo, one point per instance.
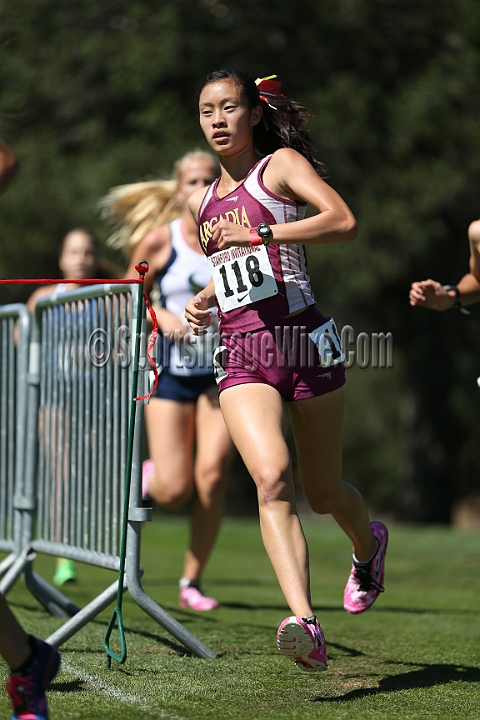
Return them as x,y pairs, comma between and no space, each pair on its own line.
142,268
86,281
151,343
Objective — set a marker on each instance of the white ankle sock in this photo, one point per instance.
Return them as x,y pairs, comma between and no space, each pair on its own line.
187,582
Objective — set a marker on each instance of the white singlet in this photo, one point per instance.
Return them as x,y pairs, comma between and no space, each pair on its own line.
186,273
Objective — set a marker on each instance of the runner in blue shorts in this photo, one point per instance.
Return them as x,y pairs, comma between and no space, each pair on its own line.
154,224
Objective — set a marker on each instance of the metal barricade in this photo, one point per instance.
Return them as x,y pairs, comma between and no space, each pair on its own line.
79,391
83,419
14,340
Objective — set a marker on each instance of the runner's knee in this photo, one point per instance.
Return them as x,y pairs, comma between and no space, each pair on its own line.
323,503
170,497
210,482
272,485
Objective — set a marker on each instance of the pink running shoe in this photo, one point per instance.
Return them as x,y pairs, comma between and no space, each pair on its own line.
193,598
366,581
303,643
148,471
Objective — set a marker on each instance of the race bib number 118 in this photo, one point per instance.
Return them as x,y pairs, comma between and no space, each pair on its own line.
242,275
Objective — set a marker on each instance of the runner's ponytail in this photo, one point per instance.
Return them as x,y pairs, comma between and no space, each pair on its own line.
136,209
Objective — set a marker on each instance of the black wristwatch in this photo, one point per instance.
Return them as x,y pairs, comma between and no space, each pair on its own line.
458,299
265,233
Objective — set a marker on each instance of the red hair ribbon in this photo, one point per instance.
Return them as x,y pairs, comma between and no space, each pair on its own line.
269,87
142,268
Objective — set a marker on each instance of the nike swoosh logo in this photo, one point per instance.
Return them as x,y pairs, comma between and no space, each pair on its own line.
242,298
195,286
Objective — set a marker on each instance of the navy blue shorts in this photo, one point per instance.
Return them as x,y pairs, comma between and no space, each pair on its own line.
182,389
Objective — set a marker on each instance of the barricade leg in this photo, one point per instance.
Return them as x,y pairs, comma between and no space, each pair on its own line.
15,570
90,611
138,515
161,616
14,348
6,563
55,602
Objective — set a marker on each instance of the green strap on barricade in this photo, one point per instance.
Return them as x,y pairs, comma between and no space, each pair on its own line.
117,618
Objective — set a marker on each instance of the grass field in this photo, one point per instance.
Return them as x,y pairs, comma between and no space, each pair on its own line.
415,654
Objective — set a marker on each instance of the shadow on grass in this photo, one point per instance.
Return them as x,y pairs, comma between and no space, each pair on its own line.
351,652
69,687
222,582
424,676
160,639
280,608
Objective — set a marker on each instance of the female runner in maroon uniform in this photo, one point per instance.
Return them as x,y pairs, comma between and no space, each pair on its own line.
276,345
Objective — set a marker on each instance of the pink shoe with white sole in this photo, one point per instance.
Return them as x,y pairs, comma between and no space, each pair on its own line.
193,598
366,580
303,643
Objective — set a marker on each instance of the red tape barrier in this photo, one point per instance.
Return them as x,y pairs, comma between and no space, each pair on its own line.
67,281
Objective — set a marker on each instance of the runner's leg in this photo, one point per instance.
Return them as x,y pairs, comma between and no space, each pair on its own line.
318,431
213,457
170,431
14,645
254,414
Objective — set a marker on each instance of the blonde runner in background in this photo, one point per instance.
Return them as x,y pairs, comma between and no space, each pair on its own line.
153,223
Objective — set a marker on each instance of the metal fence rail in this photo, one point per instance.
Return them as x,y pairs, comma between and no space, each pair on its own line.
79,390
85,385
14,340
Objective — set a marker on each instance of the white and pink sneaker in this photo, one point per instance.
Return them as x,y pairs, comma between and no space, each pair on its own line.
303,643
193,598
366,580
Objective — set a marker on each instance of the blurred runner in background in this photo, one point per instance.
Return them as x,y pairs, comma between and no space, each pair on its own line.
190,447
78,259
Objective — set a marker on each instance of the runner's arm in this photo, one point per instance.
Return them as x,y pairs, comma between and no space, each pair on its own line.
290,175
469,285
197,309
431,294
39,293
156,249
